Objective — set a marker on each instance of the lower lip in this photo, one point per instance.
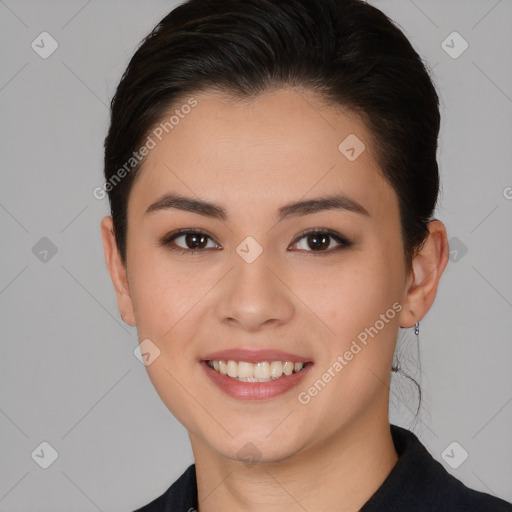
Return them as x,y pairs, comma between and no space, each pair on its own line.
255,390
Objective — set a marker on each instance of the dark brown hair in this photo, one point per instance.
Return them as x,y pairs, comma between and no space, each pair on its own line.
347,51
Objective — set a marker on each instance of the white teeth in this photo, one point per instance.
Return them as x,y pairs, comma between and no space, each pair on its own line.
263,371
232,369
276,369
288,368
244,370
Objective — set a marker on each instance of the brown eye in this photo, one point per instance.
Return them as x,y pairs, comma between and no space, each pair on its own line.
194,240
190,241
319,240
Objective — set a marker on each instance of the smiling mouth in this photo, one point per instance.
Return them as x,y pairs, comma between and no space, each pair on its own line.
263,371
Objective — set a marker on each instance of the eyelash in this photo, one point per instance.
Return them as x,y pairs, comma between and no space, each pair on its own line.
343,241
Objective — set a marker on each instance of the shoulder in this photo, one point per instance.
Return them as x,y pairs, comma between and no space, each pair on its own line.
180,496
461,498
475,501
419,483
464,499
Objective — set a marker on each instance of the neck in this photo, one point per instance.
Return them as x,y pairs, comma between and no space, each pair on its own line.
340,474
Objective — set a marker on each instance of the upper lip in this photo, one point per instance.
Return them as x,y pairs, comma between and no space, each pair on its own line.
254,356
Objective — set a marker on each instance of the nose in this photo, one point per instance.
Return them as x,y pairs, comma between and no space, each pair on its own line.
254,296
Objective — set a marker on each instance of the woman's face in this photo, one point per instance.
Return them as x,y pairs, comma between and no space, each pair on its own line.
256,281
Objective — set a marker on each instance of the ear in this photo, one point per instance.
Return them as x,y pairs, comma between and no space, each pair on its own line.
117,271
427,267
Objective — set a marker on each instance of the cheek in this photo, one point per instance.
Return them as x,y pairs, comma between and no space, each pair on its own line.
166,302
357,300
160,292
172,303
349,295
356,309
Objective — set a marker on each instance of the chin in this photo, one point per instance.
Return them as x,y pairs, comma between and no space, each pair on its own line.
257,449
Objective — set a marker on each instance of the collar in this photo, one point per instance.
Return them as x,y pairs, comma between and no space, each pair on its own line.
416,483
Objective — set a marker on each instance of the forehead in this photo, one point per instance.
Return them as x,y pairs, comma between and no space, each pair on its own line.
276,147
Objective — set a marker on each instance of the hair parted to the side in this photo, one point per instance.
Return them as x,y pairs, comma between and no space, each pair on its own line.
349,52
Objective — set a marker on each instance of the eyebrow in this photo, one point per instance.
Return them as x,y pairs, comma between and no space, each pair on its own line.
295,209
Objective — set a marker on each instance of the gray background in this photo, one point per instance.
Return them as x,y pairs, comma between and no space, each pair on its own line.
68,375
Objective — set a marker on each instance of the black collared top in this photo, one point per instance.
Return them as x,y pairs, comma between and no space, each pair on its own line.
417,483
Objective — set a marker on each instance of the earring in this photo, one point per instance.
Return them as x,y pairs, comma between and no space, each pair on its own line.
417,333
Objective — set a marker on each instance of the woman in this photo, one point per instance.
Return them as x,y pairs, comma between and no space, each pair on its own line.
271,169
